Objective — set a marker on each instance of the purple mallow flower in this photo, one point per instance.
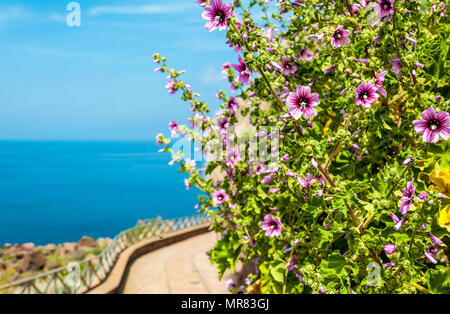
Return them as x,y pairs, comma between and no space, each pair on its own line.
306,54
302,103
386,8
433,125
407,161
408,197
220,197
243,70
379,83
396,66
339,38
430,257
399,224
266,180
390,248
271,225
173,127
170,87
217,14
435,239
366,94
285,66
229,284
329,69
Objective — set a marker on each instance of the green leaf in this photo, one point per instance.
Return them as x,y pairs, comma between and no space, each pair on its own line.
439,280
333,265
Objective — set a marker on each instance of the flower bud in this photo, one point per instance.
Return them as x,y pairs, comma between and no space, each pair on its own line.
308,149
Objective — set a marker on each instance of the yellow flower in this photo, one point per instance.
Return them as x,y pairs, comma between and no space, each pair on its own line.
327,126
441,178
444,217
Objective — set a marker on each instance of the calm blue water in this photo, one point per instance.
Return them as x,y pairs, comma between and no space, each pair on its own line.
53,192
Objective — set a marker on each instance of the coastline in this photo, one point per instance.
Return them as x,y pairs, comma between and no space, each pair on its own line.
18,261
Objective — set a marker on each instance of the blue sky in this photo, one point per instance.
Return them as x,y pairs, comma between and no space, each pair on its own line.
97,81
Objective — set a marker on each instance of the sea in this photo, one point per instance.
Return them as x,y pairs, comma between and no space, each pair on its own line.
55,192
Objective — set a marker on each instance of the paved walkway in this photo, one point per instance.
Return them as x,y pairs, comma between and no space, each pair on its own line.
182,268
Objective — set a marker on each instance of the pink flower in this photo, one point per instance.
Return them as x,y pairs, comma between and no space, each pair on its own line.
399,224
219,197
366,94
217,14
430,257
170,88
329,69
187,184
191,163
339,38
379,83
306,54
229,284
285,66
223,124
435,239
232,158
243,70
201,2
271,225
390,248
302,103
232,105
386,7
274,190
396,66
173,127
433,125
408,197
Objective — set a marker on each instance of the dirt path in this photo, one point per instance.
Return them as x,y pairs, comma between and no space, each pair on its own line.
182,267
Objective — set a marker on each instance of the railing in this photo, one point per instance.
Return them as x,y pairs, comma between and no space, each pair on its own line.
80,277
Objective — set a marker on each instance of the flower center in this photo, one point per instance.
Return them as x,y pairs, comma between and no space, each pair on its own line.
302,102
386,5
273,225
364,95
220,16
337,35
434,124
220,197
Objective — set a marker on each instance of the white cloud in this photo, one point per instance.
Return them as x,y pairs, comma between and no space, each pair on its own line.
212,76
140,9
13,13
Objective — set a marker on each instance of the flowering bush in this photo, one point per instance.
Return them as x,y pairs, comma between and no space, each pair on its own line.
354,197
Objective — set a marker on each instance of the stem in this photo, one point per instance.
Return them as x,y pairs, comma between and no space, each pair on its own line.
325,173
429,18
395,38
286,271
416,227
397,97
335,149
260,70
419,287
396,183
